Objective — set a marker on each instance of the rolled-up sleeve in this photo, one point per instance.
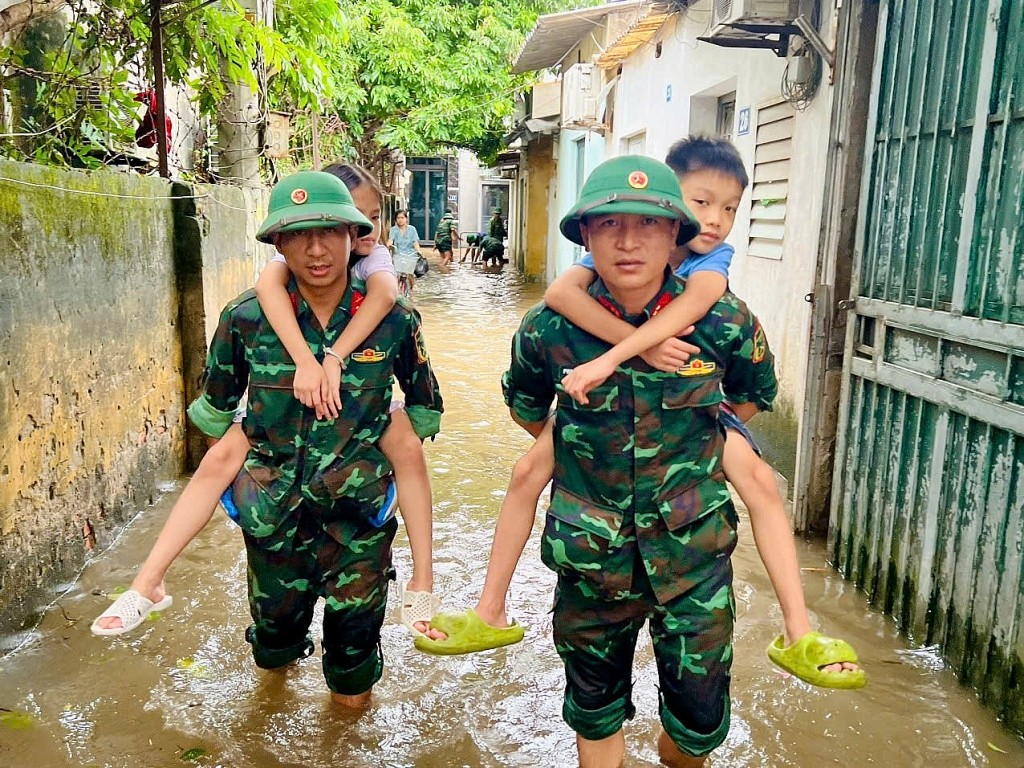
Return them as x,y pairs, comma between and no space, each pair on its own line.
224,380
416,378
750,375
527,385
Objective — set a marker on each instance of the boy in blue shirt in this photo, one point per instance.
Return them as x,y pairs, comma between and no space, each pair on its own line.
712,178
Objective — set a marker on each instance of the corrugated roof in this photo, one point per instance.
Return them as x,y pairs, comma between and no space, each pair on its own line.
554,34
639,33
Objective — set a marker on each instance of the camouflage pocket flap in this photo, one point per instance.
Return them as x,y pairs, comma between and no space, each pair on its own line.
694,502
273,369
692,392
585,542
603,523
600,399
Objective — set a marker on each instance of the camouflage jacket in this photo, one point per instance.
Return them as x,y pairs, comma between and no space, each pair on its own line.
496,228
444,229
294,457
642,460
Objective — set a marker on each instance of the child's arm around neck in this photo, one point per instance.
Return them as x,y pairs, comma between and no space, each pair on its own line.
272,293
381,295
310,384
568,296
703,289
318,386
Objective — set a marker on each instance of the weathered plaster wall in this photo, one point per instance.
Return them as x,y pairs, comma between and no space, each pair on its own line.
570,178
110,288
90,367
540,166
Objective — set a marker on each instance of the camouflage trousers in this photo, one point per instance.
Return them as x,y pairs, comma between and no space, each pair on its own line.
692,637
349,567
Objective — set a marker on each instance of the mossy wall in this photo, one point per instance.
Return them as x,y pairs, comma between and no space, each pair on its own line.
98,313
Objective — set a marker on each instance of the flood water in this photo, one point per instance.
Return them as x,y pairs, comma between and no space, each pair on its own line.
183,689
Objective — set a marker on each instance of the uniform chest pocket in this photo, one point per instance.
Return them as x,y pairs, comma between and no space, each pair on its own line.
271,369
603,399
368,368
692,392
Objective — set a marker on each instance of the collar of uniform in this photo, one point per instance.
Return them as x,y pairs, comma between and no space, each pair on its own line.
670,285
305,312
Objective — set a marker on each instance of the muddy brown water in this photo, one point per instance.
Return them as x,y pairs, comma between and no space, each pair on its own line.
183,690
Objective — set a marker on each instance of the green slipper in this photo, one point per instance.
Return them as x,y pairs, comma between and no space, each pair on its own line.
467,633
806,657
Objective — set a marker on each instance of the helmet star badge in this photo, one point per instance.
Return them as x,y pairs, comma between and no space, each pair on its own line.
638,180
299,196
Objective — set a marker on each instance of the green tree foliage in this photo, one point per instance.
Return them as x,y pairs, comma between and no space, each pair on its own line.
430,74
70,72
419,76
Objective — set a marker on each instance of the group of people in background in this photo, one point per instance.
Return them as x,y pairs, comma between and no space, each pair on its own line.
487,247
636,376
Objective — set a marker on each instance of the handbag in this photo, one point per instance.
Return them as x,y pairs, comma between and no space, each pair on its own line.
422,267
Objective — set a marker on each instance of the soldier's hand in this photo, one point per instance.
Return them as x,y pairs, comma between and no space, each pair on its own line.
584,378
671,354
308,386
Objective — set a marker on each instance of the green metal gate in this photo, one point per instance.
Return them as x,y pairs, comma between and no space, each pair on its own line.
929,483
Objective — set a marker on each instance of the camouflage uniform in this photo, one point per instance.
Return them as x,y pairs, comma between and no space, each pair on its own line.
641,524
492,249
496,228
309,487
443,236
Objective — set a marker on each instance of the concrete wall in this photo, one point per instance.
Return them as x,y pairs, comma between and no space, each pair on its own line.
218,257
108,287
469,193
90,367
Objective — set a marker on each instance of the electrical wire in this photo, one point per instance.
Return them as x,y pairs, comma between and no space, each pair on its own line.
800,93
114,195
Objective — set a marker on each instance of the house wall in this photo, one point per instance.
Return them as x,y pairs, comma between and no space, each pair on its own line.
563,253
677,93
469,192
540,167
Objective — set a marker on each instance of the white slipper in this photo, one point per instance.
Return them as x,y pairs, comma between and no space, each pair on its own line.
417,606
132,609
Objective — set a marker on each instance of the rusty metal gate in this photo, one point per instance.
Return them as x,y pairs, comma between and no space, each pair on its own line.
929,482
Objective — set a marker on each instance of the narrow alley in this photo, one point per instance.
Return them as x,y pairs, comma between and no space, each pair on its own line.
183,689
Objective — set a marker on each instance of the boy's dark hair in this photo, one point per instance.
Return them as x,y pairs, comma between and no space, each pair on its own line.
695,153
355,176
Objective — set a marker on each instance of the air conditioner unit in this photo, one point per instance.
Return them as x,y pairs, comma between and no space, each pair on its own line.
579,96
755,15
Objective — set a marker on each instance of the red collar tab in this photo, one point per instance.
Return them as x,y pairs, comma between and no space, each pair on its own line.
604,302
663,301
357,301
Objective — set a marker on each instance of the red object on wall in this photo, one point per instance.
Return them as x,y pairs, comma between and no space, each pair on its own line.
145,134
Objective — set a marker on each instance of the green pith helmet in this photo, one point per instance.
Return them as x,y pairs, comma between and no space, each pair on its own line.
631,184
310,200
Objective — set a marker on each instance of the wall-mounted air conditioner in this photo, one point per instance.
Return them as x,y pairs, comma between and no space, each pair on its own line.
547,100
754,15
579,96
